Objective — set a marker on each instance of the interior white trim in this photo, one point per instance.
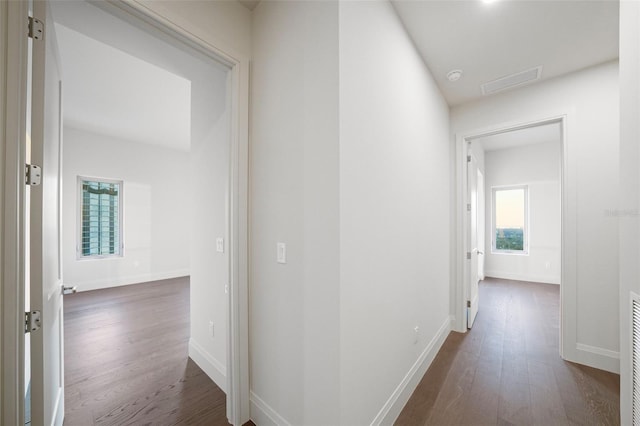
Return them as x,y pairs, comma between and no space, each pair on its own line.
598,351
568,289
58,414
398,399
262,414
214,368
13,102
593,356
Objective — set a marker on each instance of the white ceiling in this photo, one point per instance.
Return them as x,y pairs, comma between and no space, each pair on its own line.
491,40
114,93
522,137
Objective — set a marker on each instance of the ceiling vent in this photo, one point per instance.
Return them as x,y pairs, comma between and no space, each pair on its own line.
511,81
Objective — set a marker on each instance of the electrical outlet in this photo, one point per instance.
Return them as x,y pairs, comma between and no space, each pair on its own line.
220,245
211,329
416,330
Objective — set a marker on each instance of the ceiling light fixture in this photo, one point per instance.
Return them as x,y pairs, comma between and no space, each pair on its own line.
454,75
488,1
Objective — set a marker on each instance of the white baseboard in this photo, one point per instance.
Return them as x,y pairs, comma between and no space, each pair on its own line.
262,414
396,402
600,358
548,279
211,366
128,279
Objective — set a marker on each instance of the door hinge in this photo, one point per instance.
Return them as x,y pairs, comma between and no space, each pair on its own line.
33,175
468,158
468,303
32,321
469,207
468,255
36,28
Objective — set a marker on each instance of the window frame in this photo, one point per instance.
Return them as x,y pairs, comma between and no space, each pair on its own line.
525,230
80,205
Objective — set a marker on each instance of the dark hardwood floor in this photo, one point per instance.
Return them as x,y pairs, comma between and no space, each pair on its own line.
126,363
507,370
126,359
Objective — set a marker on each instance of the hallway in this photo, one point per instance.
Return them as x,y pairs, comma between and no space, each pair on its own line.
507,369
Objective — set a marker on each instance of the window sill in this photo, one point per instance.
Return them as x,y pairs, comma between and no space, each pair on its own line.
112,256
510,253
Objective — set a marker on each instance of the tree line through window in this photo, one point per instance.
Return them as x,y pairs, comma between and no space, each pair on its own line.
510,219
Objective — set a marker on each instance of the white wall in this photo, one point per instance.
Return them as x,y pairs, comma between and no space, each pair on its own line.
629,201
224,24
294,328
209,189
207,175
156,210
538,167
394,214
348,179
590,99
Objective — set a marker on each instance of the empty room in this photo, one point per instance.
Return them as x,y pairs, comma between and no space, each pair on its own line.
144,157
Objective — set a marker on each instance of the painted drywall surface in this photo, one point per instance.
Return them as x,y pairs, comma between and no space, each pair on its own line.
590,98
224,24
394,208
629,201
206,177
294,307
538,167
156,210
209,189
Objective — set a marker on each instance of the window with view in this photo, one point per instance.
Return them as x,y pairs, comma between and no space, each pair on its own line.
100,230
510,219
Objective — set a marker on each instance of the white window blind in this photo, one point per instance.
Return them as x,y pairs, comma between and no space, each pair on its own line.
101,217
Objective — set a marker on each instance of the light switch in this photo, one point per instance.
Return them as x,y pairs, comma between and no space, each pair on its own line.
281,257
220,245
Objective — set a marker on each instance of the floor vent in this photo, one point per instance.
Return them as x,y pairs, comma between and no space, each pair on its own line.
511,81
635,360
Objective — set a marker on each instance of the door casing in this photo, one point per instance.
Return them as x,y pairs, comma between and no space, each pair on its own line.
13,119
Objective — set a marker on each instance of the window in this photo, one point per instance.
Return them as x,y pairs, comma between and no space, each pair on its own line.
510,211
100,227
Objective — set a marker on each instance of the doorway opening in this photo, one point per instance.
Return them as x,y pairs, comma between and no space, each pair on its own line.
150,178
513,224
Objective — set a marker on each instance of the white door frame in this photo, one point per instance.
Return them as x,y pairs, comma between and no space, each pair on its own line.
568,288
13,16
13,105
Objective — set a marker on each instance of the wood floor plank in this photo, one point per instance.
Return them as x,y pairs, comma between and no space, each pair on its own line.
455,391
126,359
507,369
546,401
